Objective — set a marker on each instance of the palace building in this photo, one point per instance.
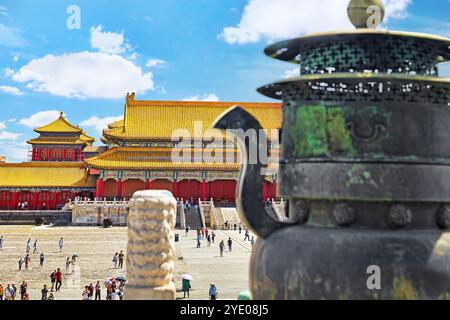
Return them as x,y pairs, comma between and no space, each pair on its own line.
158,145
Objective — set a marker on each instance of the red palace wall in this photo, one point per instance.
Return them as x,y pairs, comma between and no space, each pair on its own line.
40,200
190,188
223,190
110,188
131,186
57,154
219,190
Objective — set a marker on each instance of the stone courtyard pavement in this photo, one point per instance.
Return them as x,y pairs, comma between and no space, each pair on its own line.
96,247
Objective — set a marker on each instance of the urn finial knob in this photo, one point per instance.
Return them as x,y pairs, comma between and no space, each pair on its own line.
366,13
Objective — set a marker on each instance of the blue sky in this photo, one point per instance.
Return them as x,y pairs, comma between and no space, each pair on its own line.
164,50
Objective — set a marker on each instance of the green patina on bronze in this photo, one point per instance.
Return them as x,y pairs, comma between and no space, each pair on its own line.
319,131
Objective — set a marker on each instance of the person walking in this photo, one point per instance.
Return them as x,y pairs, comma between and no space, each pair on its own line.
213,236
58,279
27,249
14,291
61,244
23,289
9,292
247,235
208,238
186,287
187,230
35,247
198,241
41,259
53,279
121,290
85,293
73,262
240,228
115,260
1,291
91,291
27,261
252,241
212,291
68,265
98,291
44,292
121,257
230,243
20,264
206,232
221,247
1,243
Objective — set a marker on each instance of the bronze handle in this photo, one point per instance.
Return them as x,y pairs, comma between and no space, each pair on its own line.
249,199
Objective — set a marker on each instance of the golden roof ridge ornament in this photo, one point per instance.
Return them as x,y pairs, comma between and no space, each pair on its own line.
366,13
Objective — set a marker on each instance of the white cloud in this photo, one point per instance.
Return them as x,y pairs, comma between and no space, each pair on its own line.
155,63
16,58
8,72
12,120
11,37
108,42
283,19
85,75
99,123
2,125
3,11
205,97
291,73
14,152
11,90
5,135
40,119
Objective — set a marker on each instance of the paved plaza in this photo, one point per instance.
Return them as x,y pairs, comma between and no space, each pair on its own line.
96,246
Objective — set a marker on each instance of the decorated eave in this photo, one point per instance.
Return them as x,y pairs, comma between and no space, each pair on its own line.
161,120
138,158
46,175
44,140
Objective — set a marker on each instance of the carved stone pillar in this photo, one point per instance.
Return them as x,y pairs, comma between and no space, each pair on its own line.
150,252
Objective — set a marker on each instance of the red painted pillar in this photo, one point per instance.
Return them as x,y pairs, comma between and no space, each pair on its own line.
64,155
55,200
203,193
14,200
175,188
34,203
147,184
119,188
274,190
264,191
99,188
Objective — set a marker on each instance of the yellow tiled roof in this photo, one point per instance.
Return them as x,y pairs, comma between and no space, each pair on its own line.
59,125
49,174
58,140
145,120
137,158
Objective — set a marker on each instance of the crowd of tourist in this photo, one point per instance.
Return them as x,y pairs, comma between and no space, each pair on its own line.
114,287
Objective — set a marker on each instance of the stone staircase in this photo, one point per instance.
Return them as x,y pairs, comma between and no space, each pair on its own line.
194,218
230,215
